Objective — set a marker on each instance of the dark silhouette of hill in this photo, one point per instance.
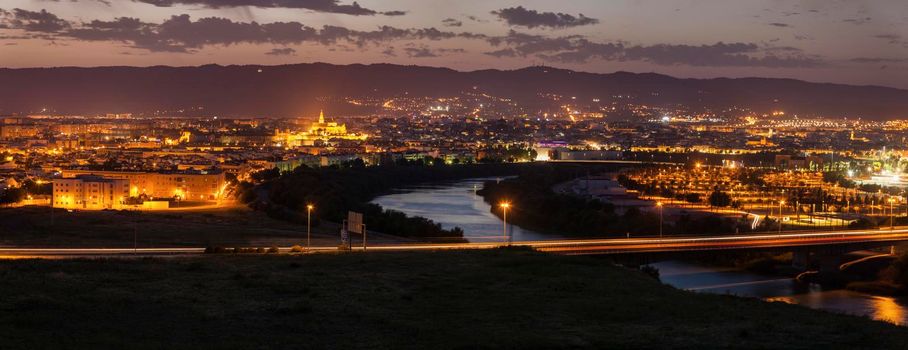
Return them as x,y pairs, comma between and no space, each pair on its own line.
291,90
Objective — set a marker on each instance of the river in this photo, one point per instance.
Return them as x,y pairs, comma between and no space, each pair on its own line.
456,204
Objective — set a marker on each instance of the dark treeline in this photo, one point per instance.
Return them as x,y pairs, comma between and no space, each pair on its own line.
534,205
336,190
29,187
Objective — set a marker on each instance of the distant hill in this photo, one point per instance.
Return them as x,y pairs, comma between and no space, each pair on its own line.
291,90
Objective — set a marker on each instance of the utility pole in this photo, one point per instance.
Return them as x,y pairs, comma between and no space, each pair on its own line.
309,208
659,204
135,234
780,215
504,226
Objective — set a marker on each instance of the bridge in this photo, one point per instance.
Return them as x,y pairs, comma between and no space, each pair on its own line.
843,239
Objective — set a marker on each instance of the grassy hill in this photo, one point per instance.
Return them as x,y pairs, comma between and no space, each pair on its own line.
448,299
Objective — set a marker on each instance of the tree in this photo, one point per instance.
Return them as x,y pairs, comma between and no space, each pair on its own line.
12,195
692,197
32,187
266,175
898,271
719,199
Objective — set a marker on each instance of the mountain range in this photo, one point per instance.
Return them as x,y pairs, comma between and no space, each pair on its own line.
298,89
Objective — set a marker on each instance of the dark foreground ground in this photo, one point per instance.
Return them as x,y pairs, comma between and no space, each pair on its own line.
235,226
451,299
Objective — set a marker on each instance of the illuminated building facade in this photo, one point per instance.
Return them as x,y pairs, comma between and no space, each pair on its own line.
90,192
10,132
185,185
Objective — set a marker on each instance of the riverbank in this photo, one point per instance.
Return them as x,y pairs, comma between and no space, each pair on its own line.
448,299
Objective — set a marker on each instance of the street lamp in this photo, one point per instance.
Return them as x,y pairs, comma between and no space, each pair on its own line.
659,204
504,211
781,202
309,208
891,218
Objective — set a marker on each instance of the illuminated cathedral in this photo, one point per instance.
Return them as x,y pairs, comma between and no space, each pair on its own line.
320,130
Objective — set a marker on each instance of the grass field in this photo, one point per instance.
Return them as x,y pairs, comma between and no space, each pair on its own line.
448,299
230,226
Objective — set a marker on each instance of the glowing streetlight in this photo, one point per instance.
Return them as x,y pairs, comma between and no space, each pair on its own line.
309,208
659,204
891,211
504,211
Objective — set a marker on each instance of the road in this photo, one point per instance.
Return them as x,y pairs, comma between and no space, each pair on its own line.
567,246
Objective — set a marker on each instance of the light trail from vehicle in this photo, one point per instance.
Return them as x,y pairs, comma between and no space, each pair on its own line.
565,246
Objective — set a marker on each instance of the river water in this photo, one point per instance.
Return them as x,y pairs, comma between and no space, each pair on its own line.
456,204
711,279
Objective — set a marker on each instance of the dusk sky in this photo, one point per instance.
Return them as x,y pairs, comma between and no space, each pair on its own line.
857,42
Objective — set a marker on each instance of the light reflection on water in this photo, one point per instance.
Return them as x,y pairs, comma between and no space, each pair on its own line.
456,204
770,288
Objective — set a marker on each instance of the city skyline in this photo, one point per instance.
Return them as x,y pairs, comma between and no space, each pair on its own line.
841,42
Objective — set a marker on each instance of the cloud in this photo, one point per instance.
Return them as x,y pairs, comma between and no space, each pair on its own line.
578,49
527,44
503,53
878,60
719,54
475,18
450,22
857,21
893,39
419,52
520,16
181,33
890,38
284,51
32,21
329,6
423,51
